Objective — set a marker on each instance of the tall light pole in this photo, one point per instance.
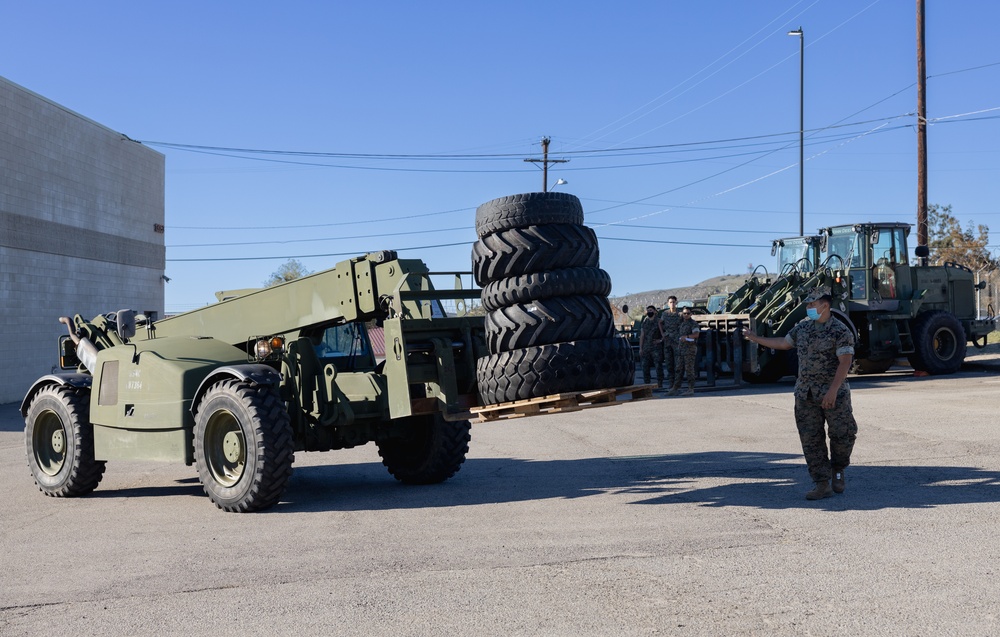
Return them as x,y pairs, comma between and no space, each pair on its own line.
802,127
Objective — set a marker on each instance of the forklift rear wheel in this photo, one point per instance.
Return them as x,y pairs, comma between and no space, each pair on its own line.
60,442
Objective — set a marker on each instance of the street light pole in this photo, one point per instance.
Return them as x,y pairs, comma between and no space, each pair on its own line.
802,126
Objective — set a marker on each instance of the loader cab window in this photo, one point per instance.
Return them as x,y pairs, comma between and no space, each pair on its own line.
888,251
851,248
848,247
797,252
342,341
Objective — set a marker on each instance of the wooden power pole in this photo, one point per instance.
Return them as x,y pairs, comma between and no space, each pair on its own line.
545,161
922,238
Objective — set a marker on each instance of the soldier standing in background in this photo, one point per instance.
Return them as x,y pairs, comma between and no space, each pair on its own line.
651,345
671,320
826,347
687,353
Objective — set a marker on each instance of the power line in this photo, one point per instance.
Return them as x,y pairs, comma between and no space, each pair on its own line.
317,256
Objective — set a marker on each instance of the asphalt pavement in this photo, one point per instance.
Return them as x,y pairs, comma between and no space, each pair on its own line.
670,516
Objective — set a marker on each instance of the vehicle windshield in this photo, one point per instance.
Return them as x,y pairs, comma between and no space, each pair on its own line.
845,243
342,340
797,252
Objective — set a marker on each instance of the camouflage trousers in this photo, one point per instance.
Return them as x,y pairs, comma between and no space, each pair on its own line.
653,355
843,430
684,361
670,361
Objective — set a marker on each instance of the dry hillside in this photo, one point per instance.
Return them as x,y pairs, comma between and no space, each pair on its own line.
718,285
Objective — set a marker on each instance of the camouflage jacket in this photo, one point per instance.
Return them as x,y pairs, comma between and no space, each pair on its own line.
684,328
650,331
819,346
671,325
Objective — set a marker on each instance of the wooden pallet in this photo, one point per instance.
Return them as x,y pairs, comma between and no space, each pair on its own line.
565,402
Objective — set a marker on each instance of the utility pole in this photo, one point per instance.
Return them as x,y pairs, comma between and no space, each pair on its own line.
802,127
545,161
921,130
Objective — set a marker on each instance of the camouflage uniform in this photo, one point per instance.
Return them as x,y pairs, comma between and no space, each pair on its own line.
819,345
687,353
651,350
671,332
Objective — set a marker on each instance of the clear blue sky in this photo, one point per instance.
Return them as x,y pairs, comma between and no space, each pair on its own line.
709,91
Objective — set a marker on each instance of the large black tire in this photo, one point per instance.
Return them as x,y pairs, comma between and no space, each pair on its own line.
545,321
553,369
431,450
938,342
523,251
243,446
60,441
529,209
545,285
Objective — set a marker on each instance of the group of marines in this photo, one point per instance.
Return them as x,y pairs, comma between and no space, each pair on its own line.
670,336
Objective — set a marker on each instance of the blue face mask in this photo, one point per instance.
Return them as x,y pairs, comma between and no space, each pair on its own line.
812,313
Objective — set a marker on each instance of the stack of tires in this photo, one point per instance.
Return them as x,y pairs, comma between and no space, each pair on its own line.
549,326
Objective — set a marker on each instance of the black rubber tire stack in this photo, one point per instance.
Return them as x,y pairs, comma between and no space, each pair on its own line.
549,326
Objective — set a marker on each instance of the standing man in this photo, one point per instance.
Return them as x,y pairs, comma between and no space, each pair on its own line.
687,353
671,320
826,347
651,345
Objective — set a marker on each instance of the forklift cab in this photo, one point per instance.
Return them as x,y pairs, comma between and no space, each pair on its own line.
876,258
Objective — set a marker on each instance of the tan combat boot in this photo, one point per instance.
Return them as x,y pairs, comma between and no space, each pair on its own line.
820,491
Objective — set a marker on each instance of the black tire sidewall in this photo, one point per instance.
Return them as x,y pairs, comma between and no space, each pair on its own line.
926,358
217,399
584,281
552,369
527,209
48,399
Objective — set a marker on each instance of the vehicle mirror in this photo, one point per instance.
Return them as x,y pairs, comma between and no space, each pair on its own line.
126,324
67,353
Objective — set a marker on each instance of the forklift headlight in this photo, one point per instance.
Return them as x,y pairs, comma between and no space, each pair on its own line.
268,347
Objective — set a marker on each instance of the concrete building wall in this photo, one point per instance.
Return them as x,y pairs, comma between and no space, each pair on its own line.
81,229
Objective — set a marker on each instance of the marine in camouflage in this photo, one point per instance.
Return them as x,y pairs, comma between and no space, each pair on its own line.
671,322
819,346
651,348
687,353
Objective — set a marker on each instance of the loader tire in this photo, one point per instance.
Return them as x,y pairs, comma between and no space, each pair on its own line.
552,369
431,451
243,446
528,209
545,285
60,441
871,366
521,251
546,321
938,342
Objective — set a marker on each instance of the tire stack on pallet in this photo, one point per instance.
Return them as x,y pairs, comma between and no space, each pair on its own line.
549,326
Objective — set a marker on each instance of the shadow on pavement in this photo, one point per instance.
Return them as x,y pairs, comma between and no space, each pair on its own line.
710,479
713,479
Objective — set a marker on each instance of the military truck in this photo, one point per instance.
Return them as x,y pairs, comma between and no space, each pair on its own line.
238,387
895,307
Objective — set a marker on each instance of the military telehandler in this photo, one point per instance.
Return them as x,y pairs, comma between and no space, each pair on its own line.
238,387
